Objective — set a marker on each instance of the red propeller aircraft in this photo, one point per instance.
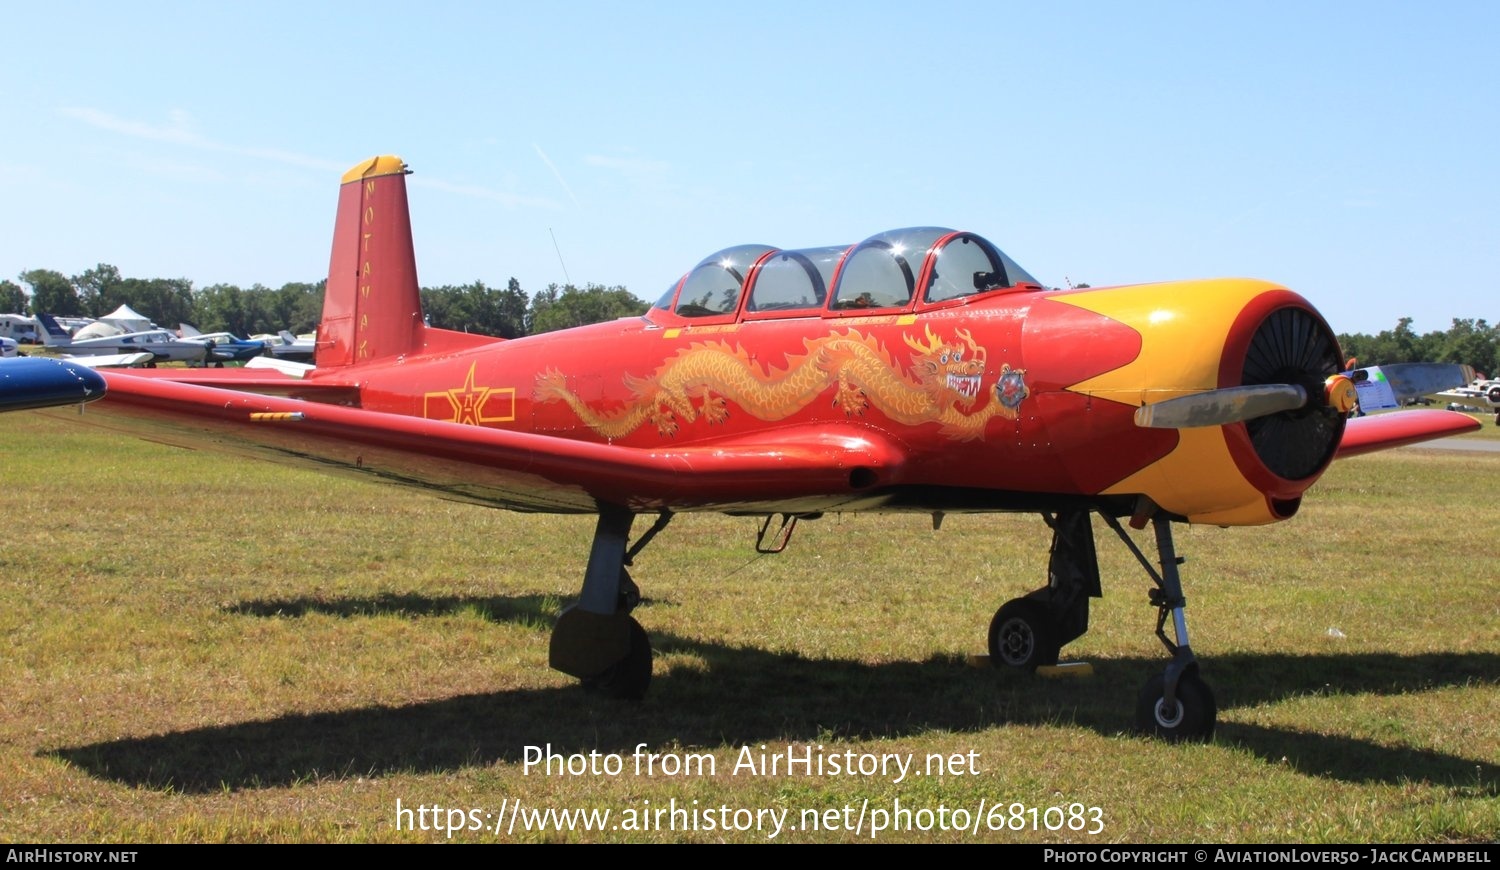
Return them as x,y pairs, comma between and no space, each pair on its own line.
920,370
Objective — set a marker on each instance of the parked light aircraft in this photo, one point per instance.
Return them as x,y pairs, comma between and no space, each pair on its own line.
292,348
286,346
223,347
160,343
921,370
1479,393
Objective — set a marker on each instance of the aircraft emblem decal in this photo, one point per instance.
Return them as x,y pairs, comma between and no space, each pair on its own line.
471,405
1011,389
942,385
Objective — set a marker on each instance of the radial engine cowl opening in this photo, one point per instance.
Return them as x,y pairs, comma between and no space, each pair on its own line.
1293,345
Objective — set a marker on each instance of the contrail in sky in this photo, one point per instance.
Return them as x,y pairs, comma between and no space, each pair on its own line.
545,159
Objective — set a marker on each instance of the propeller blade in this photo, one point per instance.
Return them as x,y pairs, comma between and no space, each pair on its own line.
1221,407
1414,380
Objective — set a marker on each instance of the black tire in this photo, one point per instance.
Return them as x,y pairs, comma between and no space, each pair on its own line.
1023,636
1194,716
629,678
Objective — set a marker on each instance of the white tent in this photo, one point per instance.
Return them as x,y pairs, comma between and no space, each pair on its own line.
128,319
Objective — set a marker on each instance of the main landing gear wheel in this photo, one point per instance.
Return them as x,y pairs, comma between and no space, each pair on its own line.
630,677
1191,718
1023,636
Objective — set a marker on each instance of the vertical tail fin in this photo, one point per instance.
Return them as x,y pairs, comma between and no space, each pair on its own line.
372,307
51,332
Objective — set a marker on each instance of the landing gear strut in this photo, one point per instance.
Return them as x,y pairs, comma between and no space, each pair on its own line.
1175,705
596,639
1028,632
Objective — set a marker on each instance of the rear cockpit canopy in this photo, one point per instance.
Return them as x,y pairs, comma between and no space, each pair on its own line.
899,270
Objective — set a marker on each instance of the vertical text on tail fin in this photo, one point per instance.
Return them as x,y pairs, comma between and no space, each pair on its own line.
372,308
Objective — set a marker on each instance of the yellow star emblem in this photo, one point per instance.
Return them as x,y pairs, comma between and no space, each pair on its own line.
469,403
467,400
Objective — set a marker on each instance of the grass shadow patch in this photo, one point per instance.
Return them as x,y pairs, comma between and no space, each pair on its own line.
746,696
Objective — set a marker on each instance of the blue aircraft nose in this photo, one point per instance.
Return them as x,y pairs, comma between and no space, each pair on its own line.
40,383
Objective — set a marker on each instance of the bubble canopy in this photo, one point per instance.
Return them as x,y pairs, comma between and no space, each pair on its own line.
898,270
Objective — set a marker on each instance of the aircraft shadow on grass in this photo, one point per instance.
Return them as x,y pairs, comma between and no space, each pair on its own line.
744,696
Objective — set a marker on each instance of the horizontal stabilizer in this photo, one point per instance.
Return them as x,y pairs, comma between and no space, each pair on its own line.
290,368
259,380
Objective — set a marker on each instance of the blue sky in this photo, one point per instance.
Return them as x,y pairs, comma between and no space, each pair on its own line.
1347,150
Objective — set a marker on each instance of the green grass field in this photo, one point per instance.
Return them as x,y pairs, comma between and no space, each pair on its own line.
202,649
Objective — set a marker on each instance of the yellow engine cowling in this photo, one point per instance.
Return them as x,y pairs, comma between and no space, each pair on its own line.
1205,335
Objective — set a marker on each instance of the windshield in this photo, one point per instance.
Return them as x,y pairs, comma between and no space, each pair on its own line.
966,265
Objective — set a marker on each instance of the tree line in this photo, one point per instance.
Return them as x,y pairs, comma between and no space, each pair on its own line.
1467,341
297,306
510,312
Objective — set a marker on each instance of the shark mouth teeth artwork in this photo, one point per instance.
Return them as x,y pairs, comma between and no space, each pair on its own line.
965,385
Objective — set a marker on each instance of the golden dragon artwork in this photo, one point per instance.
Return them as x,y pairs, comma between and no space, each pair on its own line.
942,386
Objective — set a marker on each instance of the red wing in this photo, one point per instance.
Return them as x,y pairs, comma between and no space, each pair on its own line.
806,470
1399,428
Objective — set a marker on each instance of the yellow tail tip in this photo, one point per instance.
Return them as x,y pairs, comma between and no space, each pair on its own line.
385,164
